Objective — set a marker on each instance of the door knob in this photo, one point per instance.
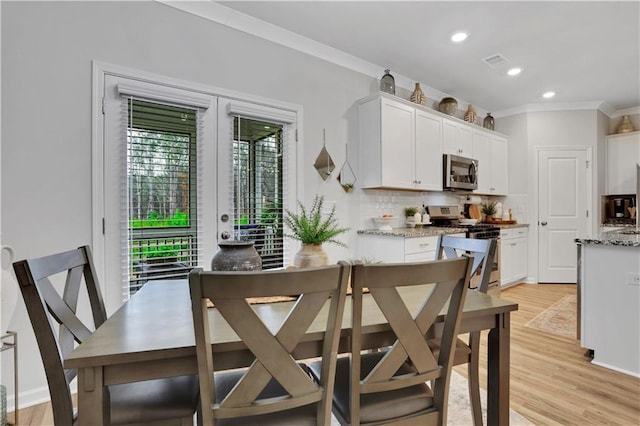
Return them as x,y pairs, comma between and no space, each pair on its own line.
225,235
543,223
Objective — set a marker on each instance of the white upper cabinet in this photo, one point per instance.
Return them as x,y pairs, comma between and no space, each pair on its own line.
491,152
400,146
428,151
623,152
457,138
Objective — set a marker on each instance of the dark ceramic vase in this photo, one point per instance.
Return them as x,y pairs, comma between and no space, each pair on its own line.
388,83
236,256
488,122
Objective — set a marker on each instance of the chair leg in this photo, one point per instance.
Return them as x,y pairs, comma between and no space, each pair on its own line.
474,379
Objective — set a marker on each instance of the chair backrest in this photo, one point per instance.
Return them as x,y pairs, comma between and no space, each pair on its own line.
482,250
448,280
272,351
53,316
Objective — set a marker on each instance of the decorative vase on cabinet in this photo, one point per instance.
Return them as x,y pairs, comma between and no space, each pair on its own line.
388,83
448,106
488,122
418,95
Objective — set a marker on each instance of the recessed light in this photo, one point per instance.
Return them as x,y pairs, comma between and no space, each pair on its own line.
458,37
548,95
514,71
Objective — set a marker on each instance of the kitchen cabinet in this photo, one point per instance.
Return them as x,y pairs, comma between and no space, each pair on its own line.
400,145
457,138
623,152
491,152
513,255
397,249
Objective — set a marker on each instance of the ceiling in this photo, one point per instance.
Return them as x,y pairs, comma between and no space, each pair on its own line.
586,52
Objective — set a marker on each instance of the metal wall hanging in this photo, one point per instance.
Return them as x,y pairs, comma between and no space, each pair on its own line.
347,177
324,163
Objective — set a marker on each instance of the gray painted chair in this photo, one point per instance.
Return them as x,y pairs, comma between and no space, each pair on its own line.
163,401
275,389
483,252
390,386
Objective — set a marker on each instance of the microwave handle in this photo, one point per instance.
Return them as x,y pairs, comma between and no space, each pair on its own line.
473,172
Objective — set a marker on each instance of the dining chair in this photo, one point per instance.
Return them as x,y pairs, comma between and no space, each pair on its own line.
483,252
58,329
275,389
390,385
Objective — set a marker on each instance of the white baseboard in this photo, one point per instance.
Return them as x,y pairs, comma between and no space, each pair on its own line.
29,398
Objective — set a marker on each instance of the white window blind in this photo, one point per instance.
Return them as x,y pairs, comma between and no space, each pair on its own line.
259,176
160,192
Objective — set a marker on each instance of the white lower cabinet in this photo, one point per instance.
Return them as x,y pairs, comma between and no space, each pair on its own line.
397,249
513,255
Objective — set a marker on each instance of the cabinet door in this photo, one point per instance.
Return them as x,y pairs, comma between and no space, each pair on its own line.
428,151
397,144
623,152
506,259
482,153
499,166
457,138
518,258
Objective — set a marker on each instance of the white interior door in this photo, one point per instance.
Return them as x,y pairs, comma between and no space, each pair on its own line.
563,181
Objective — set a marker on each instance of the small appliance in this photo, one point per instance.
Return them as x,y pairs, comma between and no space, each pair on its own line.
459,173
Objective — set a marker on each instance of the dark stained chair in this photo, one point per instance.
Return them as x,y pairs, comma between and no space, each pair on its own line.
390,386
58,330
275,389
483,252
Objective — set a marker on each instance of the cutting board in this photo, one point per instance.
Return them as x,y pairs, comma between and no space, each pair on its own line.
474,212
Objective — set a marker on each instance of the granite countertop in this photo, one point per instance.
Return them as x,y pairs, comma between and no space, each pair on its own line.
513,225
427,231
620,237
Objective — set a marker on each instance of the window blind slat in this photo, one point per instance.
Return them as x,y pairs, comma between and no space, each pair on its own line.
159,217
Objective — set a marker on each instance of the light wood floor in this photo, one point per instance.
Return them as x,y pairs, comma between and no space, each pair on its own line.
552,380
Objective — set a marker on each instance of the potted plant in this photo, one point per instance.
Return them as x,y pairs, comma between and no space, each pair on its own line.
489,209
312,230
409,212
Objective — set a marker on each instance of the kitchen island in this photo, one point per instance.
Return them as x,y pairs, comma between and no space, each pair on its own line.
609,298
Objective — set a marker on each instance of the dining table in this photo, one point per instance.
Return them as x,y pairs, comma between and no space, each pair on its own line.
151,336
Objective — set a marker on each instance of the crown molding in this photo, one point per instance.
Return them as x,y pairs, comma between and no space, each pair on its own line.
604,107
231,18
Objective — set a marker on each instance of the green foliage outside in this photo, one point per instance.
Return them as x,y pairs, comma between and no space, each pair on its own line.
154,220
155,249
309,227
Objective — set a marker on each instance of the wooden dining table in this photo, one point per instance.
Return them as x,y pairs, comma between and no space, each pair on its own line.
151,336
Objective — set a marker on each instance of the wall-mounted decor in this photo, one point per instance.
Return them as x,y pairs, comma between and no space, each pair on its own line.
418,95
347,177
388,83
324,163
448,106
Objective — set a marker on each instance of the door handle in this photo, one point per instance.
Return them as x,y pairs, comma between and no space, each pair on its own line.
225,235
543,223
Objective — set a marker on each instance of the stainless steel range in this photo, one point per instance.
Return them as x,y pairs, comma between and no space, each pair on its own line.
451,217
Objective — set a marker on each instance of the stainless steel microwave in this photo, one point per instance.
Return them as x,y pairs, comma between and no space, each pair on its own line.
460,173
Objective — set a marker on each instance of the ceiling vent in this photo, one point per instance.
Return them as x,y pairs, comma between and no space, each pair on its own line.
496,60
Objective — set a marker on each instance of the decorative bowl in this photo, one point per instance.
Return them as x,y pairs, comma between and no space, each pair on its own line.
448,106
468,221
384,223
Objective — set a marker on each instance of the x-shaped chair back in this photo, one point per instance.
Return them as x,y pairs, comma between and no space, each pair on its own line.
272,349
53,314
449,280
482,250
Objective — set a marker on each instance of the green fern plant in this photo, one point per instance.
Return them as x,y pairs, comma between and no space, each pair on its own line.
309,227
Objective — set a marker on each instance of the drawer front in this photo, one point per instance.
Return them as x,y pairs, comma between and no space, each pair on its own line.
421,244
420,257
509,233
